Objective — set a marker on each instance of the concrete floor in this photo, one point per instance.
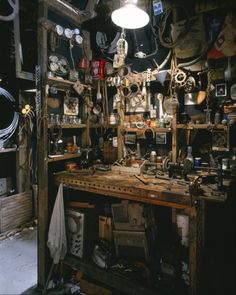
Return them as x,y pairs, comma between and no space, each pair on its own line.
18,261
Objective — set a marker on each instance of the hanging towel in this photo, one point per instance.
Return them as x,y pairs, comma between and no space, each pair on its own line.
57,242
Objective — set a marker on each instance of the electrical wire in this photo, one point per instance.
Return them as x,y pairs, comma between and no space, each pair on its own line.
159,67
7,132
71,55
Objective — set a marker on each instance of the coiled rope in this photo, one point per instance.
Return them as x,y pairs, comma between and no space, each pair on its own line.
15,7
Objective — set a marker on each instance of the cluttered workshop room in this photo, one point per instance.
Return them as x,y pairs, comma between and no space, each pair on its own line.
117,137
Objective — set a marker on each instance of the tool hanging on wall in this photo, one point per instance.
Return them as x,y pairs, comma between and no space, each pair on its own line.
122,50
73,73
99,95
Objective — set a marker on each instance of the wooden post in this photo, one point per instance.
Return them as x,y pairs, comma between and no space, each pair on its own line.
42,152
174,138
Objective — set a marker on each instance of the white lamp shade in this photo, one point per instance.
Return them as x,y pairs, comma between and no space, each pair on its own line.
130,17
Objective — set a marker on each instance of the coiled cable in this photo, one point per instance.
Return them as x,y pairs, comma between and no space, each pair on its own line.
7,132
15,7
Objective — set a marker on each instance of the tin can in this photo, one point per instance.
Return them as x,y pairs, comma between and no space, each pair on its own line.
197,161
114,141
112,119
153,157
225,162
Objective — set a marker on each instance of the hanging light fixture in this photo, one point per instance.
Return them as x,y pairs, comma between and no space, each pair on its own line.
130,16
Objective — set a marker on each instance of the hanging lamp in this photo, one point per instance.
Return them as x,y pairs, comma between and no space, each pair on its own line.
130,16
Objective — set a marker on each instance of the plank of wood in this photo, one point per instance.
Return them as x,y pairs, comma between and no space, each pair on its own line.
93,289
80,205
15,210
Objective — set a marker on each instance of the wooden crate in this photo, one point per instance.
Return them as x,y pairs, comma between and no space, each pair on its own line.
15,210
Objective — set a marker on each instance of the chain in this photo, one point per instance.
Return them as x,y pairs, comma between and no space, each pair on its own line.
207,110
38,99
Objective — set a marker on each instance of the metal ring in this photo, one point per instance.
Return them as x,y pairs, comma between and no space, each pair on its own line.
125,91
134,88
122,69
180,77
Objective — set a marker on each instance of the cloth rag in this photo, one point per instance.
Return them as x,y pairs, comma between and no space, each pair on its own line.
57,242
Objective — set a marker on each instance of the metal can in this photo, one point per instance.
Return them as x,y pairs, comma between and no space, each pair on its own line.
115,141
225,162
112,119
153,157
197,161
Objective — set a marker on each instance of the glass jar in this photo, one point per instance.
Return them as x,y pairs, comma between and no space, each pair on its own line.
112,119
153,157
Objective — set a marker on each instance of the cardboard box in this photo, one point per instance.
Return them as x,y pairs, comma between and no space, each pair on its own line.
105,228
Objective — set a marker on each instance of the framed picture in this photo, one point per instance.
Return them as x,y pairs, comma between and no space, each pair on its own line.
160,138
221,89
137,103
220,140
71,106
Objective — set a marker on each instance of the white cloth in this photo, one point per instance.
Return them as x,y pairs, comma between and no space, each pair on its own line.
57,242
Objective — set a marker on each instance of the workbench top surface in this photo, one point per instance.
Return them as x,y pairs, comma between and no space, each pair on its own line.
142,188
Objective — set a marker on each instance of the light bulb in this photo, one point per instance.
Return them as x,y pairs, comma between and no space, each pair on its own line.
130,17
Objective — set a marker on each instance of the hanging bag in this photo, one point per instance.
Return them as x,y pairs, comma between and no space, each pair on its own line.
191,36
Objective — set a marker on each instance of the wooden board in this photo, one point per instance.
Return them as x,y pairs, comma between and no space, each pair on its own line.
92,288
15,210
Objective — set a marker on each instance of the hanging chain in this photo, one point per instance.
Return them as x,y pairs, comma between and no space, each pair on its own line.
38,98
208,110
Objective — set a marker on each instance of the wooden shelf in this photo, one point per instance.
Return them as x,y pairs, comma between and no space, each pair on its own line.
103,126
156,129
63,157
7,150
68,126
108,277
201,126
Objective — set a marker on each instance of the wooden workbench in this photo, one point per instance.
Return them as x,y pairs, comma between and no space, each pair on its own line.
148,189
145,189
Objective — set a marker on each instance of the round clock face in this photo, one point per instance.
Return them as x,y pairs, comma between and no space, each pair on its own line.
233,91
53,58
59,30
53,66
68,33
76,31
78,39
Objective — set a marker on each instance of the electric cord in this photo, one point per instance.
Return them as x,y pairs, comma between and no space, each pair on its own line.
140,54
159,67
71,55
15,7
7,132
